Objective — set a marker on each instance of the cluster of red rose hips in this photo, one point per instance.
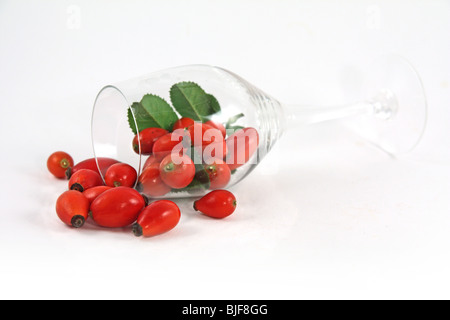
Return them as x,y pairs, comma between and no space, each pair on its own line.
115,202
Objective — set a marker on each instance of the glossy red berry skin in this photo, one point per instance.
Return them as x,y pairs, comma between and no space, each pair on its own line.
219,174
202,134
58,162
92,193
84,179
150,183
72,207
91,164
147,137
183,123
241,146
157,218
149,161
165,145
177,173
117,207
120,174
217,204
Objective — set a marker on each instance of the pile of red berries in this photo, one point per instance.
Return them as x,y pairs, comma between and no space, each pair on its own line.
122,198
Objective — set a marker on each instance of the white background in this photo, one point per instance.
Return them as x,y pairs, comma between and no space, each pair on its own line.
325,215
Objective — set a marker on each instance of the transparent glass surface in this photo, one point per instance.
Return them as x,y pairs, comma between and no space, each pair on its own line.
378,112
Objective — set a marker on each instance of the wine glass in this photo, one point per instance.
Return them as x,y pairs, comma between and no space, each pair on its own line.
392,114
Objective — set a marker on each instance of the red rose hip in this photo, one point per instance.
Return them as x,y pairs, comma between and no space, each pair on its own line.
91,164
92,193
149,161
147,137
58,163
158,217
150,182
183,123
72,207
166,144
217,204
120,174
219,174
85,179
202,134
177,172
118,207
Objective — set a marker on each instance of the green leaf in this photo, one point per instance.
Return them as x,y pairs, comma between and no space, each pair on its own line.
191,101
159,111
151,112
233,129
233,120
130,117
213,103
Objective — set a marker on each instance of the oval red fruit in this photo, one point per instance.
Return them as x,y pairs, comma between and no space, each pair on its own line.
58,163
117,207
91,164
120,174
84,179
217,204
92,193
72,207
147,137
202,134
183,123
166,144
158,217
150,160
150,183
219,174
177,172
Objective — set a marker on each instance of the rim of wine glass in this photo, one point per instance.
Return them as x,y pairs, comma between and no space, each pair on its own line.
127,107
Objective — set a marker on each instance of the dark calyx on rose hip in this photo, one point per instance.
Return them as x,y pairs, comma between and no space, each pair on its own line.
217,204
85,179
158,217
120,174
58,162
72,208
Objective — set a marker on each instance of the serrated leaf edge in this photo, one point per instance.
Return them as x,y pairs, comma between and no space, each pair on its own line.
200,117
154,119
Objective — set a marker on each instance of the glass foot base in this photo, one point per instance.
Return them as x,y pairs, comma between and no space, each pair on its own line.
400,110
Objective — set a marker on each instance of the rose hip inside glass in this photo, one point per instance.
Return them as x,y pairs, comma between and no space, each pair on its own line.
235,123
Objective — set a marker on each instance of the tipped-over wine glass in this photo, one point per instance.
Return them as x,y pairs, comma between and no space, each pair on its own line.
392,116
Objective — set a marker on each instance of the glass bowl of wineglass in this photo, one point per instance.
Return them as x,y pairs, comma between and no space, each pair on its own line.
217,127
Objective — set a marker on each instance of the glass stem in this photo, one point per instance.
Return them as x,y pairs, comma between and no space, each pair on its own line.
383,106
305,114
